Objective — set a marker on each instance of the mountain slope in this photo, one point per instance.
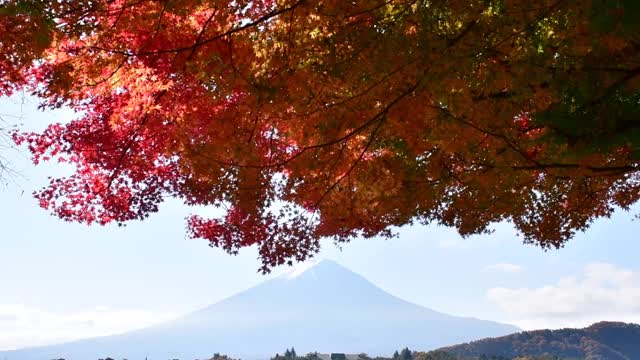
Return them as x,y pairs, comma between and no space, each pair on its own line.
600,341
325,308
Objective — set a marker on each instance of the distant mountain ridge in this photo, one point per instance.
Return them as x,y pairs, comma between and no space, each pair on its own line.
600,341
326,308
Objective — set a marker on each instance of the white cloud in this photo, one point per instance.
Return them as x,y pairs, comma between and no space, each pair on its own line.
504,267
24,326
602,292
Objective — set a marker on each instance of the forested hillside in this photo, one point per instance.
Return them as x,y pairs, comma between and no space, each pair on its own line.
601,341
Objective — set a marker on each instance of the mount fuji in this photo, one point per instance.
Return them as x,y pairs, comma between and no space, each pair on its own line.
325,308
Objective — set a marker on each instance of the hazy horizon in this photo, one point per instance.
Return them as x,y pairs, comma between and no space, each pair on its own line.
331,308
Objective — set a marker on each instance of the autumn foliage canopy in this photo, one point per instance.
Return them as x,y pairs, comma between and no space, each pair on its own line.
334,119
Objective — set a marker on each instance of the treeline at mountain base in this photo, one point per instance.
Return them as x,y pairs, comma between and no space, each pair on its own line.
404,354
600,341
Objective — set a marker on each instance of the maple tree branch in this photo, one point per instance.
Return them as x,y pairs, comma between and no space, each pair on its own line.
6,144
365,125
452,41
197,44
164,9
529,26
611,89
615,170
503,137
338,160
358,95
134,137
600,170
379,6
121,11
199,38
372,138
4,167
377,117
595,170
112,74
601,68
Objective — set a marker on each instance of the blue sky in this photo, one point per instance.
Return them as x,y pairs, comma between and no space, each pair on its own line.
62,281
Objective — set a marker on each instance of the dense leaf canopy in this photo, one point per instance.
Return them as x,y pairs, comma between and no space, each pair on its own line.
330,118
